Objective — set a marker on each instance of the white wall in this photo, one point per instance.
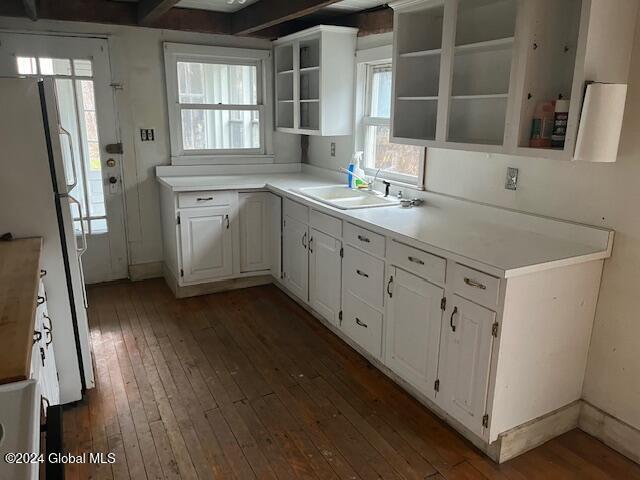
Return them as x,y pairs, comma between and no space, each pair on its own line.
597,194
137,63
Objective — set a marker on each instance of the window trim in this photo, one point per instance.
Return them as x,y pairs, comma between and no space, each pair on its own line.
180,52
365,61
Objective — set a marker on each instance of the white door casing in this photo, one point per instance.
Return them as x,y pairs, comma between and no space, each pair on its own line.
325,275
414,319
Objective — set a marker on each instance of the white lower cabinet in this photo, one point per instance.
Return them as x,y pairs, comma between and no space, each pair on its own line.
465,362
414,319
255,238
325,283
363,324
205,235
295,261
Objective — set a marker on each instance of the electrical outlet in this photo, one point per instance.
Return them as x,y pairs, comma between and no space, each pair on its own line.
147,135
511,182
333,149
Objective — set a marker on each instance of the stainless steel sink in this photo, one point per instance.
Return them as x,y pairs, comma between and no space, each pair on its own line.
346,198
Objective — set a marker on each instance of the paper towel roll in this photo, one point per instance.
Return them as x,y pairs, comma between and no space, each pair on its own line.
601,123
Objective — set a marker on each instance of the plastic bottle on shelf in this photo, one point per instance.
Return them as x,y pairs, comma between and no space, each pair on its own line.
542,125
560,120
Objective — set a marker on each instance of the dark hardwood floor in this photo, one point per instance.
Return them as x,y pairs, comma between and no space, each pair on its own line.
246,384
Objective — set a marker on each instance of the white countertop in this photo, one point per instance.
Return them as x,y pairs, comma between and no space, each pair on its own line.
500,241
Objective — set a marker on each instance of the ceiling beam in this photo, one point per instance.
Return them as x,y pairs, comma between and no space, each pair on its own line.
150,10
122,13
267,13
30,9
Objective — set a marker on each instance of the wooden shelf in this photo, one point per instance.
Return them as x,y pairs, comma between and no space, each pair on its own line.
421,53
480,97
309,69
407,98
309,100
285,101
499,44
284,72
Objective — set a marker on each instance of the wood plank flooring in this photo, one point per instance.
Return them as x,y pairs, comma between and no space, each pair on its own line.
246,384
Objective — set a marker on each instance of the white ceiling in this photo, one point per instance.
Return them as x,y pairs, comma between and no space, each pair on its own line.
225,6
215,5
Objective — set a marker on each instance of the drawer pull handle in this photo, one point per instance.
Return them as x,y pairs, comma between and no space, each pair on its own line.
226,217
361,323
310,244
40,300
43,273
42,355
204,199
389,286
453,314
416,260
48,331
37,336
364,239
474,284
362,274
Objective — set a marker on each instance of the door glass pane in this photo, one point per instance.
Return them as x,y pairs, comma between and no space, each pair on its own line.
27,65
213,83
55,66
220,129
82,68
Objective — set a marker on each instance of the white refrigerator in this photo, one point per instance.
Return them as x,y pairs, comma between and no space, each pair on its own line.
37,183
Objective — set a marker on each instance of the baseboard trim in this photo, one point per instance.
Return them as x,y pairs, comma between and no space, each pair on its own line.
145,271
611,431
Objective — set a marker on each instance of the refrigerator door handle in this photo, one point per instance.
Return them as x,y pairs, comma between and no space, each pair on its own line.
72,185
82,249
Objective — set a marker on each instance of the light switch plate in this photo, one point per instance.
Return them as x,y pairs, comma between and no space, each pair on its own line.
333,149
511,182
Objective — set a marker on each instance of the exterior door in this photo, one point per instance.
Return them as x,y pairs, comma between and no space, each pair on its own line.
465,361
80,67
414,319
325,272
295,258
255,237
207,244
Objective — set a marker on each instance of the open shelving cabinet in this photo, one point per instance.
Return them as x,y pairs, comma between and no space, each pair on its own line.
468,74
314,74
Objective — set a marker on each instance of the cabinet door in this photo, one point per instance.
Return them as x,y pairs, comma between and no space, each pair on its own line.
206,239
414,318
255,254
325,283
465,361
295,258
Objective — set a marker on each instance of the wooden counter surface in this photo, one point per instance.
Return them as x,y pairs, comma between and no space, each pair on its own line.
19,280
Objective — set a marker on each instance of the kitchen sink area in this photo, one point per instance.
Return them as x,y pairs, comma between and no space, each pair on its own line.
345,198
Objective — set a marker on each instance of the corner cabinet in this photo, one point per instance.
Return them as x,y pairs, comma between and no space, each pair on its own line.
469,74
314,78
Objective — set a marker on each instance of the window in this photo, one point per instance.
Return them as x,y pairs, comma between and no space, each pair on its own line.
217,102
80,143
402,163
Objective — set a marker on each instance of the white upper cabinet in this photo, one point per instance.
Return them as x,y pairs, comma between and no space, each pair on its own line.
205,235
314,78
469,74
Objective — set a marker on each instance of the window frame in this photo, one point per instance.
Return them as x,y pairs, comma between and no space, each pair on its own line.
178,52
366,61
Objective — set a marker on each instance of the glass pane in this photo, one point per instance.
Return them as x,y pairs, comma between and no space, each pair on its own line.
27,65
82,68
380,105
91,147
71,145
392,157
99,226
212,83
55,66
220,129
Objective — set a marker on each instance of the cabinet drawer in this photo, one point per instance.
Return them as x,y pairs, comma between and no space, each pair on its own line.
362,324
421,263
205,199
296,210
364,239
363,276
476,286
326,223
